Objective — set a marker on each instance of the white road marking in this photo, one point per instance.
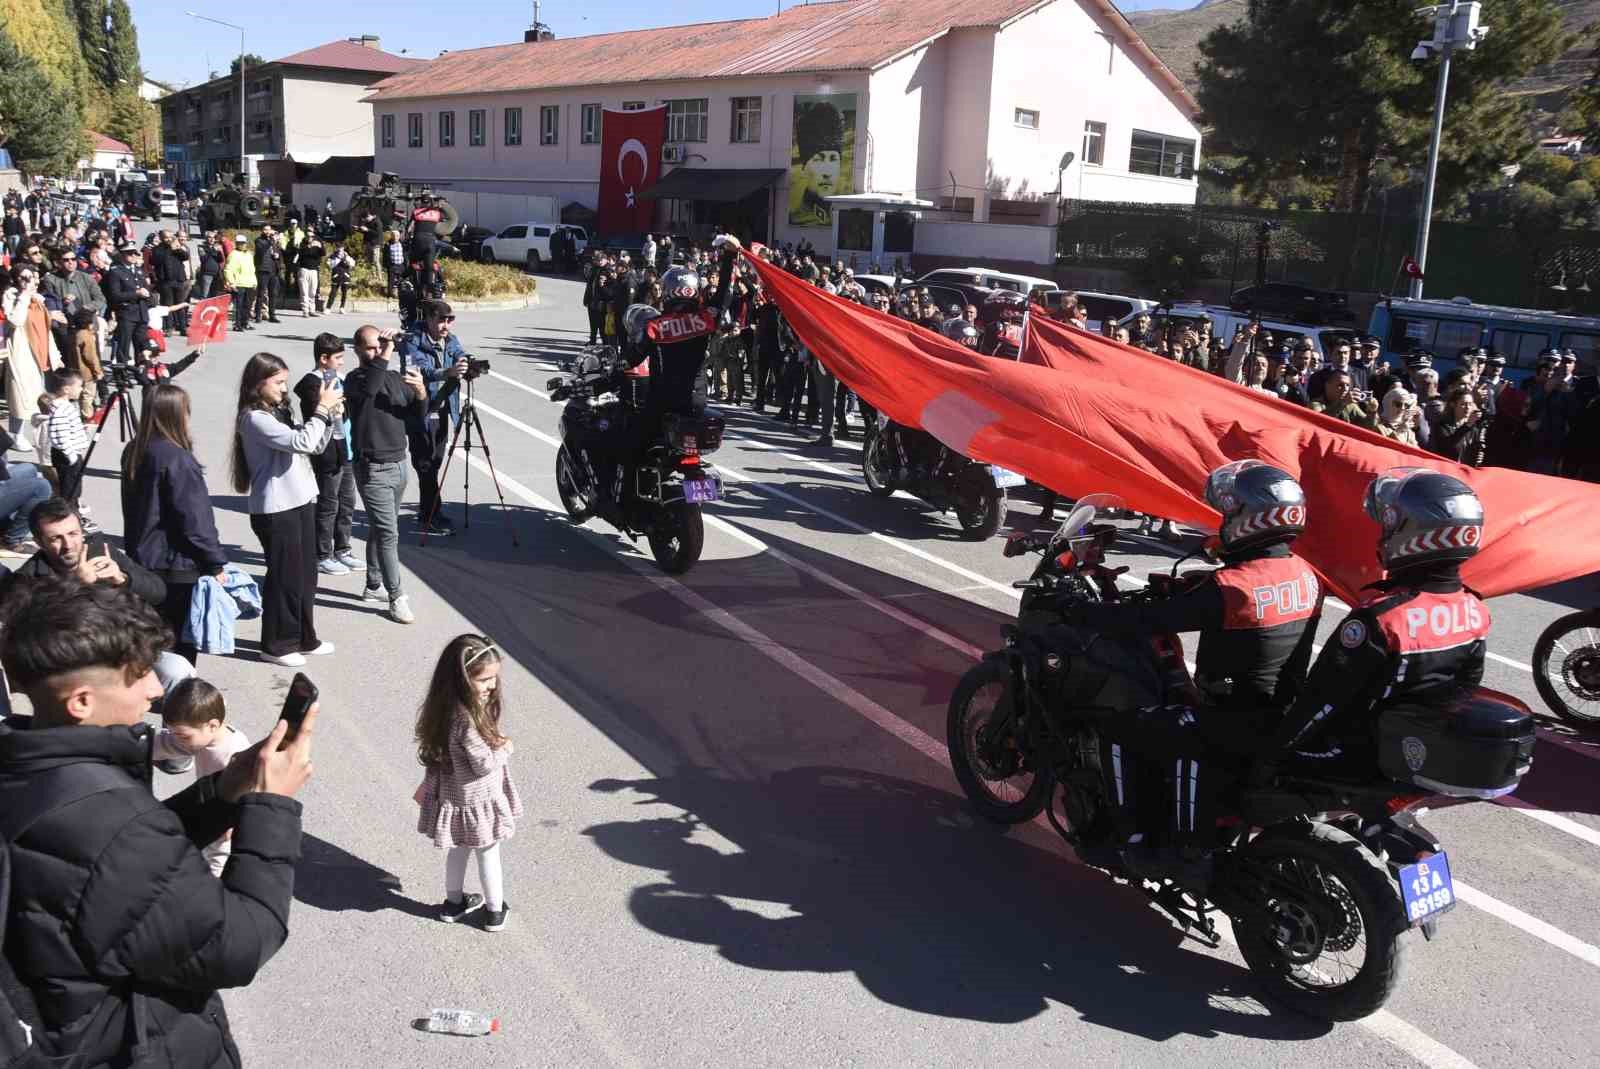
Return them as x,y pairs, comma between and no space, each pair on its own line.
519,385
1527,922
1399,1033
1554,820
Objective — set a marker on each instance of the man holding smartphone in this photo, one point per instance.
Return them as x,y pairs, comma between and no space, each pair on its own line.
123,936
381,404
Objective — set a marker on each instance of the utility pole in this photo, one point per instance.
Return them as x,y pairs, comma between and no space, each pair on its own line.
1454,26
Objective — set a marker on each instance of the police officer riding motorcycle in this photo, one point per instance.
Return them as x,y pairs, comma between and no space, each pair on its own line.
634,455
1301,827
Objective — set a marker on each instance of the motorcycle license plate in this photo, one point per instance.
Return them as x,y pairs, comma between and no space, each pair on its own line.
700,491
1426,888
1005,479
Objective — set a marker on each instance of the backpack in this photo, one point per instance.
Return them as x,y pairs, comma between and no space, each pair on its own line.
21,1029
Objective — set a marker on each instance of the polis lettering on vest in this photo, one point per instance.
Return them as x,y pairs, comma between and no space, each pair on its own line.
1455,618
1286,598
678,327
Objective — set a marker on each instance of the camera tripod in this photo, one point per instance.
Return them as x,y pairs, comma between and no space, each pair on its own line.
468,423
119,403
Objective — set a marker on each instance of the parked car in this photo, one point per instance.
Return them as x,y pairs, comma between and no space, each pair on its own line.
1225,322
987,279
169,202
468,241
527,243
1298,304
1100,306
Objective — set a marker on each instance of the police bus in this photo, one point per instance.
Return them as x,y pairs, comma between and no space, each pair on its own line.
1444,328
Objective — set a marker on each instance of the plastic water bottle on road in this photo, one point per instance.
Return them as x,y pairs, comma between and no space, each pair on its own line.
461,1023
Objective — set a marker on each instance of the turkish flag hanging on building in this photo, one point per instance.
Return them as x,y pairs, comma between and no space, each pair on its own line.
630,163
208,320
1080,413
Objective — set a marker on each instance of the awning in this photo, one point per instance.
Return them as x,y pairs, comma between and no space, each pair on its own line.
720,184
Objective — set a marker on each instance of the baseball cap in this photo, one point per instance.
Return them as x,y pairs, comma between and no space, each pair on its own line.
239,239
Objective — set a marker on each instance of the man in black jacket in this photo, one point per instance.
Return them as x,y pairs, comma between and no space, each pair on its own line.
64,551
116,925
336,480
379,403
269,264
128,296
208,277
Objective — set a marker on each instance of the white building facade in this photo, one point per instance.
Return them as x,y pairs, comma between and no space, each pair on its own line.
969,104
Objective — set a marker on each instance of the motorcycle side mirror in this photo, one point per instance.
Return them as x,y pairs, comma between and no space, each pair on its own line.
1016,544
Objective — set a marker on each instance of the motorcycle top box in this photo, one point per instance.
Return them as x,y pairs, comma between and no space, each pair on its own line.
694,433
1479,745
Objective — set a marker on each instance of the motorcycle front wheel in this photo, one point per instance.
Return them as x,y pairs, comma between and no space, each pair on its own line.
874,461
985,753
1566,667
1325,936
981,505
578,506
677,537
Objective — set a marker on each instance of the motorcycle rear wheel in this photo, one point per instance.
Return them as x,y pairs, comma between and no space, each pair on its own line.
578,507
1566,667
981,507
989,768
677,540
1298,955
879,482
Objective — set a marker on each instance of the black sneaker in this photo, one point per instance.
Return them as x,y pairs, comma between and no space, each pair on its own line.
495,919
450,912
438,529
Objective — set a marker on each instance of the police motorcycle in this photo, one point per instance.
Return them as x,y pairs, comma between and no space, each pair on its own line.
1320,878
903,458
1566,667
656,490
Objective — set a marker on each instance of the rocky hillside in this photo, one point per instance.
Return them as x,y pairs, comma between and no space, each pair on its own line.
1175,35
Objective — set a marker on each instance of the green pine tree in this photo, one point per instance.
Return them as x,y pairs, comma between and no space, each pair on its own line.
1308,88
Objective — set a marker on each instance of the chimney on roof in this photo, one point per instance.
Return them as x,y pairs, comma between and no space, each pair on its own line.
538,31
368,40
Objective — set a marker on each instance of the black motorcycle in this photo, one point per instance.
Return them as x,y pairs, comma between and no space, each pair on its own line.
1566,667
898,458
658,491
1320,877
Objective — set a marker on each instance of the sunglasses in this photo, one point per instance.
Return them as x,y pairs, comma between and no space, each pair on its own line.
444,319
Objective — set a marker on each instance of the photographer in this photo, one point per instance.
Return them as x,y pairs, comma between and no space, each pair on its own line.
123,936
433,351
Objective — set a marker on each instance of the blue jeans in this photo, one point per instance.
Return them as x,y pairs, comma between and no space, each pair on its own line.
22,489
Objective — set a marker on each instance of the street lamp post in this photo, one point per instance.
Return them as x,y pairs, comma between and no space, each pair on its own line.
243,168
1454,26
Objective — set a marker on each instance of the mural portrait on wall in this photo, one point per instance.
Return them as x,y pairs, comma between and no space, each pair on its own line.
822,155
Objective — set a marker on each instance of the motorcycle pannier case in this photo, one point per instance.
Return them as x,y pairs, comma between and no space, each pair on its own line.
1477,745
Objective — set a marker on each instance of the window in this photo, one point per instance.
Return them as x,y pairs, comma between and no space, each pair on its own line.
1455,335
686,120
414,129
447,129
746,120
590,134
549,124
263,87
1158,154
513,126
261,128
1094,143
1519,347
541,231
1587,346
386,131
633,105
259,106
1027,118
518,231
477,124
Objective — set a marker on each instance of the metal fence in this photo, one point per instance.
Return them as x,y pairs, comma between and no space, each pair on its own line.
1530,268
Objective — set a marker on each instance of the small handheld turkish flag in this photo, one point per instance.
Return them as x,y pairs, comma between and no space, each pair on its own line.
1410,268
208,320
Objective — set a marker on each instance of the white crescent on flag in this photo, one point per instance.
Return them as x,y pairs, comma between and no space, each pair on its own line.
633,147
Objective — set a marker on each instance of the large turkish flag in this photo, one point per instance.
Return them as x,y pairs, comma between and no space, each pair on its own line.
1084,414
630,163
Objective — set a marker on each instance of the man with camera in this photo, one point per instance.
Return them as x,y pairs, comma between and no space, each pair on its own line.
116,927
433,351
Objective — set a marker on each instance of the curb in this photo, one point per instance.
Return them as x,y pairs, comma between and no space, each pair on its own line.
456,305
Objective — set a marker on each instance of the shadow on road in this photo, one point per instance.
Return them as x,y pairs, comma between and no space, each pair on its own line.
333,879
851,870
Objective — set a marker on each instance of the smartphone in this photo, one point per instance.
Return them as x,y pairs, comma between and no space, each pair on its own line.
301,697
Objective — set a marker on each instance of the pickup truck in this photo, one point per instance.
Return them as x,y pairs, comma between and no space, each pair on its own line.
527,243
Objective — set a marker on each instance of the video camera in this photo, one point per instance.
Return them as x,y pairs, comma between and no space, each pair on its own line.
125,376
475,367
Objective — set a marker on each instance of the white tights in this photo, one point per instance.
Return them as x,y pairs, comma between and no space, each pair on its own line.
489,875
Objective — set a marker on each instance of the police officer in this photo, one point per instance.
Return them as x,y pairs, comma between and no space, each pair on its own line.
1418,635
128,296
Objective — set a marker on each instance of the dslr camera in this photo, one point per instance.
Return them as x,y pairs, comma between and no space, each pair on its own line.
475,367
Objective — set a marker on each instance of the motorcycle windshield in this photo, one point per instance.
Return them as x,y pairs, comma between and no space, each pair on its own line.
1084,510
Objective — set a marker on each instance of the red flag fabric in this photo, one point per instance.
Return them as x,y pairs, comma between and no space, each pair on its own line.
208,320
1081,413
630,163
1410,268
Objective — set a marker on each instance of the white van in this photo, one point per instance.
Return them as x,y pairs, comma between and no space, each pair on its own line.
982,276
528,243
1100,306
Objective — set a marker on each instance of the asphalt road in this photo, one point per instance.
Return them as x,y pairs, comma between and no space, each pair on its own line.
743,845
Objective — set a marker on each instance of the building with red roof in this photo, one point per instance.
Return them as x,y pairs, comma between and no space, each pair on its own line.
962,111
297,110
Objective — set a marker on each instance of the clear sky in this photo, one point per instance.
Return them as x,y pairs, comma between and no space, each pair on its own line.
179,49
